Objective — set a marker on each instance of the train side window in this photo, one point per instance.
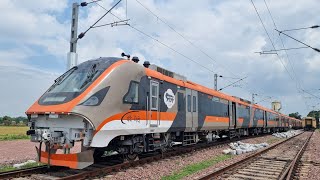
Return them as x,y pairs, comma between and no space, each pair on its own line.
194,102
154,88
189,103
180,102
132,96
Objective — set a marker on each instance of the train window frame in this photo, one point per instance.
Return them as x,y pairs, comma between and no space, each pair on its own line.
154,96
224,101
189,102
181,102
134,85
194,103
216,99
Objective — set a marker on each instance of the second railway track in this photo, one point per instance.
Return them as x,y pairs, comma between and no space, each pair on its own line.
276,162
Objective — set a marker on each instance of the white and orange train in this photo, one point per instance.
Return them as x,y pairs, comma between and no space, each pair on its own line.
113,104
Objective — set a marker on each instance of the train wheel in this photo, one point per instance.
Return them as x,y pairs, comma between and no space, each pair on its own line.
131,157
97,154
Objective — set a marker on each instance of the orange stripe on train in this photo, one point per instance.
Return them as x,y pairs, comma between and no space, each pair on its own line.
67,107
140,115
216,119
68,160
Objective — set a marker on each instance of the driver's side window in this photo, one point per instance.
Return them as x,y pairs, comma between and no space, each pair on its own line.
132,96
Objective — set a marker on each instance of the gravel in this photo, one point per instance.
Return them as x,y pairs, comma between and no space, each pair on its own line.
156,170
312,155
19,151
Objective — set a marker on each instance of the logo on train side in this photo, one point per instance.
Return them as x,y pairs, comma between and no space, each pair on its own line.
169,98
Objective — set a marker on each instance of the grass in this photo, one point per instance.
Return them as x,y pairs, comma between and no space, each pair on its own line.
193,168
13,132
272,140
11,168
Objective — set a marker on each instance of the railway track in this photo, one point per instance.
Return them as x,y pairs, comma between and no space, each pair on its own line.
108,166
279,161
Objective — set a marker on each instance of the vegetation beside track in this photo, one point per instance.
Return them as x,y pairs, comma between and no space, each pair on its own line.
13,132
193,168
11,168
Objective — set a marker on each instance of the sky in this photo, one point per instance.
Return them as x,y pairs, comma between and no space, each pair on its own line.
193,38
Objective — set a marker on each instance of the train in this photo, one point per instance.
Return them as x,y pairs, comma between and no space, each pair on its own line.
117,105
309,123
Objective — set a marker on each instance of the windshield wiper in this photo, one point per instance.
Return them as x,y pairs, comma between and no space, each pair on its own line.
64,76
90,75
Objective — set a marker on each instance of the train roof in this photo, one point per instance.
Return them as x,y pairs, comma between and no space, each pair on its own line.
172,77
308,117
166,75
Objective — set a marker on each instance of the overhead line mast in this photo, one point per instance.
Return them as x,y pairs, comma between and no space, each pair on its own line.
72,57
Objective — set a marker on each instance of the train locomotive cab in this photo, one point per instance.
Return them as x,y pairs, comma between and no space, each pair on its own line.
309,123
70,111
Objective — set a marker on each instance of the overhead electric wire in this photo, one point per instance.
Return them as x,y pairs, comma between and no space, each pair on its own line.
296,29
282,43
298,84
311,94
108,11
163,20
298,81
232,83
167,46
316,49
160,42
271,40
284,49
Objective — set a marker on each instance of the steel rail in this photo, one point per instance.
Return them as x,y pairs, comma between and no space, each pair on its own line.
289,171
237,164
99,169
176,152
23,172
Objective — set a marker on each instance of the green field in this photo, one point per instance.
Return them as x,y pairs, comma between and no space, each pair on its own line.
13,132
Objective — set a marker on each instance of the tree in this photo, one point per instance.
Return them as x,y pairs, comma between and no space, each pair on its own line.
314,114
295,115
6,120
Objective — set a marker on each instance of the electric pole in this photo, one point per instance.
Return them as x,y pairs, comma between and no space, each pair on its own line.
216,82
253,94
72,55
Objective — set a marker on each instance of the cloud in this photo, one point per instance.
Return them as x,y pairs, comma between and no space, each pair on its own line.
228,31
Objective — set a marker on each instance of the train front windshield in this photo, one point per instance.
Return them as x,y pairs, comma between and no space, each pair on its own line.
72,83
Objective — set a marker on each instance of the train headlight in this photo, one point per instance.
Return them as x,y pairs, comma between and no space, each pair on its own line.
92,101
96,98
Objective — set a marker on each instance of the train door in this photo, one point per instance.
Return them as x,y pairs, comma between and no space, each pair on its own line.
189,119
265,118
232,115
154,104
191,109
194,110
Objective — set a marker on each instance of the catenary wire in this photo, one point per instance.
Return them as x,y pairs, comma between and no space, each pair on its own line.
156,40
298,84
163,20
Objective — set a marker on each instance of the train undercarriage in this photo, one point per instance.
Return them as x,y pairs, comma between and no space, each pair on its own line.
131,146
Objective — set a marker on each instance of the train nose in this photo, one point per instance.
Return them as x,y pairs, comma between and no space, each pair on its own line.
60,129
